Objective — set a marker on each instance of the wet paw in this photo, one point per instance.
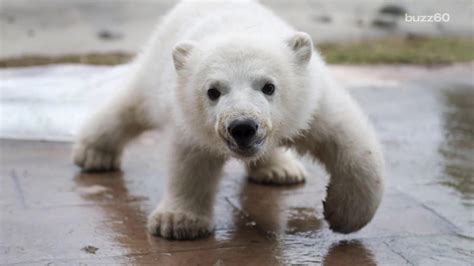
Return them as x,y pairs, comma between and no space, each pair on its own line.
287,172
347,211
178,225
91,159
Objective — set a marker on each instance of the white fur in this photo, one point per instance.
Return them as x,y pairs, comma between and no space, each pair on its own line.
237,46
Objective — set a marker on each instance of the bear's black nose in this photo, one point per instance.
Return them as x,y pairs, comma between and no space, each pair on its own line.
243,132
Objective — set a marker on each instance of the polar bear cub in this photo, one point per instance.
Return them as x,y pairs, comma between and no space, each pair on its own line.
231,79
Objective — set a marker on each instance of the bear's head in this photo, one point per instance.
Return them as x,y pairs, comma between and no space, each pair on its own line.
242,95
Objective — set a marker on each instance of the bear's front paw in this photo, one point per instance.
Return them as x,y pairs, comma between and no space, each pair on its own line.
92,159
347,213
288,172
178,225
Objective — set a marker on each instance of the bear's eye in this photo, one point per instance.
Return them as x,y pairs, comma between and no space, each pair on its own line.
213,94
268,89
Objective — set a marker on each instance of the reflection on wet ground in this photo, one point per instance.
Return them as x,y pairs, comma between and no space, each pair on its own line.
52,213
458,145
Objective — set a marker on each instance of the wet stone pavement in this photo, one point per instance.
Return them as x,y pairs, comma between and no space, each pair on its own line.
53,214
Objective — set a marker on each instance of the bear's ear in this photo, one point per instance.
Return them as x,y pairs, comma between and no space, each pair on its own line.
181,54
302,46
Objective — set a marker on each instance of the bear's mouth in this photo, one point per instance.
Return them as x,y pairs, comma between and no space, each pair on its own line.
245,151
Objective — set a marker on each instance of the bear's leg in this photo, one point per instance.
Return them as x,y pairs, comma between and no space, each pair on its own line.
342,139
279,167
102,138
185,212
